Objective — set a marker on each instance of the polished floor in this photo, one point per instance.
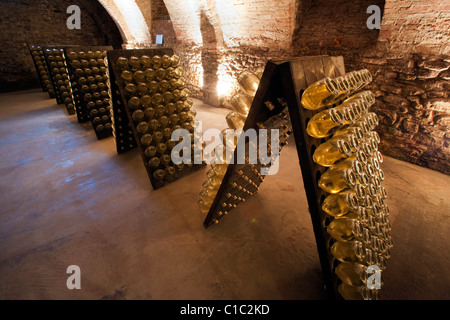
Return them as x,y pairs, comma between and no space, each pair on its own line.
68,199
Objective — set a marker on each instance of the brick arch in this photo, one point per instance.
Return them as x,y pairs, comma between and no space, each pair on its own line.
131,23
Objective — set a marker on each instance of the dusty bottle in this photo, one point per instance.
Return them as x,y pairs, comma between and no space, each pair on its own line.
346,229
353,274
357,292
154,162
351,251
235,121
150,152
145,61
340,204
334,149
320,94
156,62
324,123
334,181
159,174
134,62
166,61
241,104
249,82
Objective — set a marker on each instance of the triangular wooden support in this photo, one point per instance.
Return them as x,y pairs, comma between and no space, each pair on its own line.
282,84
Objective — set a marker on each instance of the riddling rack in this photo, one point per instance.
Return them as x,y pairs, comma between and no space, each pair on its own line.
56,63
89,78
149,102
42,70
357,238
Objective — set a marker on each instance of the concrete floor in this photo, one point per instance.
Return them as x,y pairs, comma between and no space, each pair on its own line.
68,199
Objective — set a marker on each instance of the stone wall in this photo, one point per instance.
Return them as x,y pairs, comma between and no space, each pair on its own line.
408,57
44,22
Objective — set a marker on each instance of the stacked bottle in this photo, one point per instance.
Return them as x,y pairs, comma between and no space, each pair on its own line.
355,203
62,86
241,103
91,89
157,99
42,70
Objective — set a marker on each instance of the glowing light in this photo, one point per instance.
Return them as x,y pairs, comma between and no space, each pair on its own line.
225,86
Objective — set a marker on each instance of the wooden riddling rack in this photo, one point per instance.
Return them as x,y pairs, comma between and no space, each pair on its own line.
243,180
56,63
125,131
288,80
42,69
89,79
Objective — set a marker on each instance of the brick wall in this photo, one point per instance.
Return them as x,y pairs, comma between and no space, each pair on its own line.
44,22
408,57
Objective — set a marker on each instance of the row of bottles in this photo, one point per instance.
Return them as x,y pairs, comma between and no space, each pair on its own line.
157,100
42,70
329,91
91,89
355,199
62,85
241,103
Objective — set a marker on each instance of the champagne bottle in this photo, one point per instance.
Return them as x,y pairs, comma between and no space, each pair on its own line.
159,174
145,61
138,76
325,123
249,82
130,89
345,229
142,89
166,61
153,124
160,74
320,94
351,251
170,108
353,274
157,136
178,72
175,61
156,61
157,99
168,97
241,104
150,152
154,162
163,122
340,204
134,62
170,171
235,121
334,149
336,180
357,292
149,75
184,93
161,148
165,160
146,140
134,103
163,85
142,127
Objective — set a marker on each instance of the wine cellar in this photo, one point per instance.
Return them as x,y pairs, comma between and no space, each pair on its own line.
188,152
